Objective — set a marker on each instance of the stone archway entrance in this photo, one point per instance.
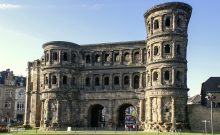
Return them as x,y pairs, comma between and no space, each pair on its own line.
126,114
97,115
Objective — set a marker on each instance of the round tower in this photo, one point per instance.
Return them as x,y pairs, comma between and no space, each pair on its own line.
166,93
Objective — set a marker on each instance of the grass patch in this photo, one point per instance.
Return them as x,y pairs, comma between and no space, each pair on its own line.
34,132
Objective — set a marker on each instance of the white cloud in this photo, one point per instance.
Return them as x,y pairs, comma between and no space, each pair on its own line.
4,6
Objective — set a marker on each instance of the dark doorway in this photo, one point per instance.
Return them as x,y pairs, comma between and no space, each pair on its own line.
126,114
19,117
97,116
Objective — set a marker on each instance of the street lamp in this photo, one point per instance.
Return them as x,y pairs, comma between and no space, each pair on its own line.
211,97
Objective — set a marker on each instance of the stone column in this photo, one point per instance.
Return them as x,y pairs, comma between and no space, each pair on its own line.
131,82
159,111
42,112
131,57
111,81
141,56
149,109
121,81
140,110
121,56
47,111
173,113
50,57
60,57
140,80
58,112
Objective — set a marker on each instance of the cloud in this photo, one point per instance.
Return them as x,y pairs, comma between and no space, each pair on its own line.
4,6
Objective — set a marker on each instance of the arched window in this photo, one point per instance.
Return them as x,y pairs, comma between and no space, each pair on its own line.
167,22
87,81
73,58
155,76
126,57
136,82
97,81
156,24
167,48
178,49
116,80
107,57
87,58
136,56
156,51
106,81
65,56
166,75
116,57
54,55
126,80
64,79
179,76
54,79
97,58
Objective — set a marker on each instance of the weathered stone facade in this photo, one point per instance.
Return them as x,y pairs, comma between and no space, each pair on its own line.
71,84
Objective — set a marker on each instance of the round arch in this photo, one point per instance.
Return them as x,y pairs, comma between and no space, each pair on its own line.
123,112
96,115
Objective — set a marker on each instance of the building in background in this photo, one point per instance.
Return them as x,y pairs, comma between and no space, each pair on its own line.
12,99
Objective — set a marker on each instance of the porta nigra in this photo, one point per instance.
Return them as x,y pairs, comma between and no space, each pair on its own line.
92,85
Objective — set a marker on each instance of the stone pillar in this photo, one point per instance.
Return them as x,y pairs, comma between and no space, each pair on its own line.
47,111
50,57
121,56
159,102
140,110
140,80
121,81
111,81
173,113
141,56
131,82
58,112
42,112
60,57
131,57
149,109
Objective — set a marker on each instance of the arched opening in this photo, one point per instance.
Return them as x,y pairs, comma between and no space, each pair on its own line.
107,57
126,57
73,58
106,81
46,80
54,79
167,48
116,80
87,58
166,75
65,56
97,58
156,24
155,76
126,80
97,81
127,116
167,22
97,116
55,56
64,79
136,82
156,51
136,56
87,81
116,57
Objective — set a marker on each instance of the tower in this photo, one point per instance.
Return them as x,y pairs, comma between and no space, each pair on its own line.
166,69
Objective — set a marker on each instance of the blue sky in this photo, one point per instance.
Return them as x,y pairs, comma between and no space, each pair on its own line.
26,24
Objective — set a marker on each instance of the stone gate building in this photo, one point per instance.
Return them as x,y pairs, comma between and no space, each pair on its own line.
72,84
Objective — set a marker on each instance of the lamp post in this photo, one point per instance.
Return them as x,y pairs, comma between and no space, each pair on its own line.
211,97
